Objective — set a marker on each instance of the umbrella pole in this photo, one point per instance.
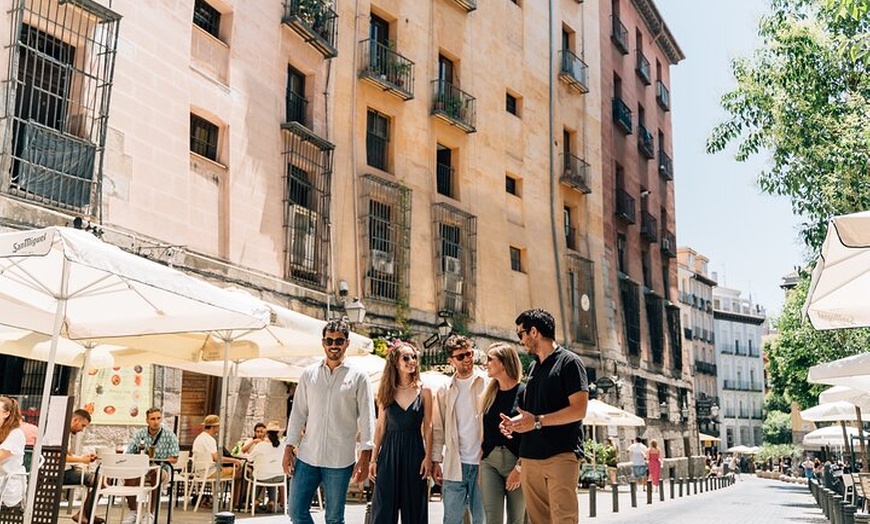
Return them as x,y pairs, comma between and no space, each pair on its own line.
222,426
847,446
46,391
861,443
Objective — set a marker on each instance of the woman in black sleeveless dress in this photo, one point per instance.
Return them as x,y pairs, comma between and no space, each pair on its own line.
400,465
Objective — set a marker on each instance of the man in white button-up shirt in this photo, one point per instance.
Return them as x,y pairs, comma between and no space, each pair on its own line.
333,404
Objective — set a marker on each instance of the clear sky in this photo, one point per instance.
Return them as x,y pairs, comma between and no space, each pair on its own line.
750,238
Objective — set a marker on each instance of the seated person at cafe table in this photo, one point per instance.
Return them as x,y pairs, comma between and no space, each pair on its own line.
205,453
81,419
259,436
161,445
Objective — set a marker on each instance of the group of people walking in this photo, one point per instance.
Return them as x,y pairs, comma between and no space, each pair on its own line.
498,447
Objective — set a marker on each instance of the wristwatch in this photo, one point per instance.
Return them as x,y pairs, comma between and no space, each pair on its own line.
538,422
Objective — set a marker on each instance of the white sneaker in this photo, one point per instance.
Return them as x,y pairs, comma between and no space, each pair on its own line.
130,518
147,518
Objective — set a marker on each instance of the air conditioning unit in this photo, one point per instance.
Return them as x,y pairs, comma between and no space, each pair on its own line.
453,293
382,261
302,238
452,265
666,244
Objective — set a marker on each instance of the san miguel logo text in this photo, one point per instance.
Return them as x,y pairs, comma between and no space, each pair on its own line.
28,242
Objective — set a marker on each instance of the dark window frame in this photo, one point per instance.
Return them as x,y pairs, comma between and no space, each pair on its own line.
516,256
377,139
207,18
204,137
512,104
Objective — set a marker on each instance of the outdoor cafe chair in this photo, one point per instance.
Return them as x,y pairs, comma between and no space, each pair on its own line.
264,468
205,475
862,486
76,490
183,474
848,488
19,477
115,469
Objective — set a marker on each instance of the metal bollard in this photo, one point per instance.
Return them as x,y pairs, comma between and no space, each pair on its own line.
661,490
837,508
633,489
681,486
614,491
672,488
224,517
593,499
649,491
849,514
695,482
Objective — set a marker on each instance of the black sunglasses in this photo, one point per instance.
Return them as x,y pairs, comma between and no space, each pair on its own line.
409,358
334,341
462,356
521,332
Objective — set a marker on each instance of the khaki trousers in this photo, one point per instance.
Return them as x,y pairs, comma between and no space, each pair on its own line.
550,489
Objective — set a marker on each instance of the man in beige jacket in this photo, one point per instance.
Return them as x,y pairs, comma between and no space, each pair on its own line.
458,433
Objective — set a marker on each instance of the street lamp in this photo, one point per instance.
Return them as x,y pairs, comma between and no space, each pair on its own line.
663,410
355,311
444,327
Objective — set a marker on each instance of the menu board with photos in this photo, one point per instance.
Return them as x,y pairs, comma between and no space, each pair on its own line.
118,395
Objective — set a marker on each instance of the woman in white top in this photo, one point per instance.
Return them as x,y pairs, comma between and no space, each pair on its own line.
267,459
12,441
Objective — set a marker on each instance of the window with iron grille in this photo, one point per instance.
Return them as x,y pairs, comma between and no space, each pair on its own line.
654,318
62,57
640,397
455,237
203,137
628,292
516,259
377,139
307,193
675,338
207,18
386,224
22,376
581,299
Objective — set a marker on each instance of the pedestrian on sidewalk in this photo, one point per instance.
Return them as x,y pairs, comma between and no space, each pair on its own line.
500,467
550,420
637,453
654,460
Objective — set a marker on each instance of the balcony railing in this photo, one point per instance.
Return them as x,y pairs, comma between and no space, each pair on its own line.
296,108
387,69
575,173
642,68
668,244
648,227
619,34
625,205
663,96
666,165
645,142
741,385
705,367
573,71
315,22
453,105
468,5
622,115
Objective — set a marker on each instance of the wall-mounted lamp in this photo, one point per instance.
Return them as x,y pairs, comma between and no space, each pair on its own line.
684,413
444,327
645,193
355,311
86,225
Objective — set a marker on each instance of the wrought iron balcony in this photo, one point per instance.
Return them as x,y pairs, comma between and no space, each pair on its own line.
622,115
645,142
575,173
296,108
666,165
648,227
705,367
315,22
453,105
663,96
573,70
642,68
625,206
387,69
668,244
468,5
741,385
619,34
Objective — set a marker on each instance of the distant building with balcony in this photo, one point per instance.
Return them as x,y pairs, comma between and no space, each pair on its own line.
695,287
739,325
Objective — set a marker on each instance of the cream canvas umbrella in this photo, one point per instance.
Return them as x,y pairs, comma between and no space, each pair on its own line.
829,436
839,411
837,296
66,283
599,413
703,437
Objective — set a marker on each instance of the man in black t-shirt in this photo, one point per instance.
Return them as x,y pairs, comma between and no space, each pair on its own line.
551,422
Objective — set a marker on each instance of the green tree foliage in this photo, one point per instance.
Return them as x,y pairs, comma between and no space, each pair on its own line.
777,428
775,401
800,346
777,451
804,102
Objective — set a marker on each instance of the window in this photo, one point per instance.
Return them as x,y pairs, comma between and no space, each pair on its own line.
654,317
511,185
295,98
516,259
628,291
207,18
455,240
640,394
444,171
581,297
664,405
646,267
386,234
570,231
621,254
511,104
203,137
377,139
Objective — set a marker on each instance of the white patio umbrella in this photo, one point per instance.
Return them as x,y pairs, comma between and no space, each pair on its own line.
740,449
600,413
830,412
828,436
853,371
703,437
66,283
846,393
838,291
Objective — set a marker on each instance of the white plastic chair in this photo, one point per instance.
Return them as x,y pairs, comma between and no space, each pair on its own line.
205,473
182,472
264,467
117,468
848,488
77,490
18,477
